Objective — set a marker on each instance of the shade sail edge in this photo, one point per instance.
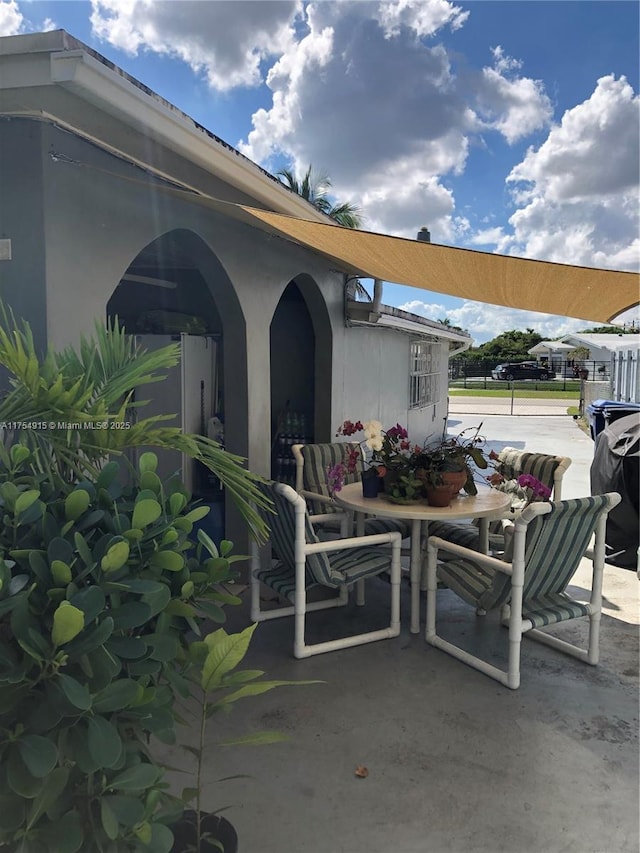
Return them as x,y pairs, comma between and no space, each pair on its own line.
522,283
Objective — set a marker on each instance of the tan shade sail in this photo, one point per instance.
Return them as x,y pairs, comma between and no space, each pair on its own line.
569,291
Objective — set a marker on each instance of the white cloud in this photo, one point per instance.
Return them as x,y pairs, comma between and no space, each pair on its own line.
373,94
424,18
485,322
371,97
224,41
11,18
487,237
513,105
579,189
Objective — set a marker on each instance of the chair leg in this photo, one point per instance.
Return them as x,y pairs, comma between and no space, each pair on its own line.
510,678
302,650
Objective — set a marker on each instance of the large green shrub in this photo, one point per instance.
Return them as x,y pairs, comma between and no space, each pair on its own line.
99,588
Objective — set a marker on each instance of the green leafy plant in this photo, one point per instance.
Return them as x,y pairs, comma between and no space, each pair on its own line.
453,454
406,488
98,588
212,685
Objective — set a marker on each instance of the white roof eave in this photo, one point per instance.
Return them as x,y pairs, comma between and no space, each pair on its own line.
91,80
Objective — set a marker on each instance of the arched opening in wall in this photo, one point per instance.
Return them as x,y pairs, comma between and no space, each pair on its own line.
300,347
175,291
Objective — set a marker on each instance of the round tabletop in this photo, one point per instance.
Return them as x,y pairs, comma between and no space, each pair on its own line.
488,502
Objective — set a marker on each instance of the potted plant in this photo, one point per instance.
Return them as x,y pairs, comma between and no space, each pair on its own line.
450,460
386,453
210,683
407,488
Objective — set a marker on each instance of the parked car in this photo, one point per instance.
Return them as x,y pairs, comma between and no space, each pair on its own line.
522,370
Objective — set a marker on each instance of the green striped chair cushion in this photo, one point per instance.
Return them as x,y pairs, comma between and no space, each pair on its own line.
553,608
373,525
555,544
318,458
466,535
513,463
351,564
283,536
332,569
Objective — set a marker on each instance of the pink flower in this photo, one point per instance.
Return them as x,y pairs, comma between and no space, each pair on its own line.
538,489
335,478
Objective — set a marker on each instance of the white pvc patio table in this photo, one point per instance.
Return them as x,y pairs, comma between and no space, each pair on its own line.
487,505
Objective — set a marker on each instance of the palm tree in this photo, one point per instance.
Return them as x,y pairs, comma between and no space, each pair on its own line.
56,402
314,188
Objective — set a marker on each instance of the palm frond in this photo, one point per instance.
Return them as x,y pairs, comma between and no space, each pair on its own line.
63,393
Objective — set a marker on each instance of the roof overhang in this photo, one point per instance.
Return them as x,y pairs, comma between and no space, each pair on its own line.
54,76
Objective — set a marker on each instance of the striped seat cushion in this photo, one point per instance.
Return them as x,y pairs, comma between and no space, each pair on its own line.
318,458
513,463
549,609
474,583
466,535
554,546
332,569
387,525
351,565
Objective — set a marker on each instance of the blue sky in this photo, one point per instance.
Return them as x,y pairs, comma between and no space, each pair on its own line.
505,126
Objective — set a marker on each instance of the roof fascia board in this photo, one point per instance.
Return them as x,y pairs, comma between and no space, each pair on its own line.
388,321
92,81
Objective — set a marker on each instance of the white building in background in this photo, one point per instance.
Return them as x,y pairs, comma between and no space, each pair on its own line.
612,357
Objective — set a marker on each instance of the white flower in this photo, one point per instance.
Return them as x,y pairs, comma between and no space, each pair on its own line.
375,442
373,435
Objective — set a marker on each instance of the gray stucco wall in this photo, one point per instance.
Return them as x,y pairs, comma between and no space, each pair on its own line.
22,279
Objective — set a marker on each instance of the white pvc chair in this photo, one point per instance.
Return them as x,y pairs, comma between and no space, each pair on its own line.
549,541
302,561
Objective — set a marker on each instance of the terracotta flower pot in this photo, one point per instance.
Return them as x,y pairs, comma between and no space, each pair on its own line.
438,495
455,480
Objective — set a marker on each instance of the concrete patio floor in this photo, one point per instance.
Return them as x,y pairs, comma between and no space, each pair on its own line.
456,762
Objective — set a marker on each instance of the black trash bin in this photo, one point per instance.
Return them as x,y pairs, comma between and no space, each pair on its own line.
597,412
616,468
621,410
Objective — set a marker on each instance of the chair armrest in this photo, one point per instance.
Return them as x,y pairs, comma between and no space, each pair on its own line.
354,542
316,496
327,516
476,556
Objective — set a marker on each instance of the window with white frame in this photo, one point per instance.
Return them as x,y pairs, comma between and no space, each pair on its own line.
424,374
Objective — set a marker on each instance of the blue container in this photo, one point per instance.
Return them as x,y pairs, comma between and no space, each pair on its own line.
601,410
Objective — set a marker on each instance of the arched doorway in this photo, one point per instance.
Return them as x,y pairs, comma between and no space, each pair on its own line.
300,350
176,290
